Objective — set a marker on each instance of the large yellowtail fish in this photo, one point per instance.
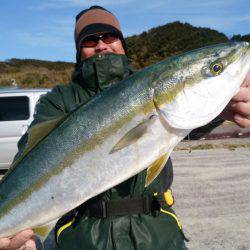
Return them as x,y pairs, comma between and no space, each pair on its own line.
131,126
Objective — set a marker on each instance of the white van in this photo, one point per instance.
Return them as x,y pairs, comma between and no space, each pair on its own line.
16,113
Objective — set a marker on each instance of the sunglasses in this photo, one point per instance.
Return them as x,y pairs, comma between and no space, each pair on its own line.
92,41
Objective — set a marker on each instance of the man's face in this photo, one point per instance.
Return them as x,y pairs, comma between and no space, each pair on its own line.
101,44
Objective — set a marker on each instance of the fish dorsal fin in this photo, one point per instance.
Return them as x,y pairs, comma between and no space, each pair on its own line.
36,134
133,135
155,168
41,130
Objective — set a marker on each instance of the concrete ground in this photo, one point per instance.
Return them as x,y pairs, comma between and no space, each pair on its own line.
211,189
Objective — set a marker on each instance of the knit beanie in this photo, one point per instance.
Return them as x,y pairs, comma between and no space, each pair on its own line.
92,21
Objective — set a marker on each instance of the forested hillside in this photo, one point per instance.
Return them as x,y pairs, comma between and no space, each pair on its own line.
149,47
168,40
34,73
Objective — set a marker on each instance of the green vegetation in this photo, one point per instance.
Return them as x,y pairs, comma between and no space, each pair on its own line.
149,47
30,73
241,38
168,40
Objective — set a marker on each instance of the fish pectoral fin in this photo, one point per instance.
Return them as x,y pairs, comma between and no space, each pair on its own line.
133,135
44,230
155,168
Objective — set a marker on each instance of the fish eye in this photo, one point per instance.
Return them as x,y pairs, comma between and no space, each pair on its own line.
216,68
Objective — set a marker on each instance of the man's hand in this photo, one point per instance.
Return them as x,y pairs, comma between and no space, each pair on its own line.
24,240
238,109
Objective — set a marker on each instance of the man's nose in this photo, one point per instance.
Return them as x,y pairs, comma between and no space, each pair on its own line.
101,46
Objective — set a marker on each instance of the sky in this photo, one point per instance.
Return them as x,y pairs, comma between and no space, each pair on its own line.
44,29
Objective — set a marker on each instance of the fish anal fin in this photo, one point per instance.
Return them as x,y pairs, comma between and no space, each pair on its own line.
44,230
155,168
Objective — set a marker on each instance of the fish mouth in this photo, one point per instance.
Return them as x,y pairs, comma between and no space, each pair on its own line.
246,58
241,65
219,90
246,53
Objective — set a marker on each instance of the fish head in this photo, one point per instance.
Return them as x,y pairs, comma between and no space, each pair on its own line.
194,88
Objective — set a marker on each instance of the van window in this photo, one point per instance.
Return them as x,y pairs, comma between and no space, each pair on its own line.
14,108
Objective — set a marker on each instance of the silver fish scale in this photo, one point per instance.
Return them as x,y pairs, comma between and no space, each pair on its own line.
55,159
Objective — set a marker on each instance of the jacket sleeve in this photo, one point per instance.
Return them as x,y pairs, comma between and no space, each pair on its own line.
60,101
198,133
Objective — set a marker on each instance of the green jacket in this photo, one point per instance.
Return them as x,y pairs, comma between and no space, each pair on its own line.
138,231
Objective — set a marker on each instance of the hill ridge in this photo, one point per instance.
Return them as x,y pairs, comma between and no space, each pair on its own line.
144,49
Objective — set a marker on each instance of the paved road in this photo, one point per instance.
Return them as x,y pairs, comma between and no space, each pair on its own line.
212,192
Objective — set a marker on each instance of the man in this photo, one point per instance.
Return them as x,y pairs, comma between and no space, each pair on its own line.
100,61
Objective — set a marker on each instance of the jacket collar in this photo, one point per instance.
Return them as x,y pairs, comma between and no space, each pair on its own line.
101,71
